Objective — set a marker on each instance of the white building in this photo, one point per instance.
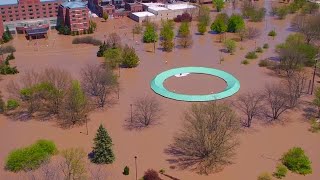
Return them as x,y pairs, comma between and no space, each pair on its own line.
161,11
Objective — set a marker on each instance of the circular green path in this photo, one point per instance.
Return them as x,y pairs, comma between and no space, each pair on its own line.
233,85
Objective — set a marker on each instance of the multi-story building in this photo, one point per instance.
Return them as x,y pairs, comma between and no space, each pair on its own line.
101,6
75,15
22,15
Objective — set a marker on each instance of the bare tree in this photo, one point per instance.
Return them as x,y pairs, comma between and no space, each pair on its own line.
73,164
185,41
207,140
114,40
308,25
146,111
251,104
98,172
277,100
253,32
98,82
294,87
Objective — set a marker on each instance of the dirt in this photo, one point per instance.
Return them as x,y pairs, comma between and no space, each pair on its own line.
260,146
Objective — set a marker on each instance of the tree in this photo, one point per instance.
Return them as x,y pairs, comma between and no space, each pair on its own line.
316,100
230,45
113,57
310,8
250,104
167,35
105,16
146,112
129,57
98,82
102,48
6,36
137,29
294,87
218,4
308,25
151,174
102,150
2,104
236,23
204,15
207,140
185,38
202,28
114,40
75,105
73,165
150,34
220,24
277,100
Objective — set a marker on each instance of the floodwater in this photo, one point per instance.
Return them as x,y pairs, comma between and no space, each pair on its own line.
260,147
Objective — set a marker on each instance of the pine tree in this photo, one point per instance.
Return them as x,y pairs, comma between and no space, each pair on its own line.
102,150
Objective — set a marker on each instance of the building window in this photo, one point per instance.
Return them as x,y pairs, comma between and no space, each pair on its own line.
30,6
51,15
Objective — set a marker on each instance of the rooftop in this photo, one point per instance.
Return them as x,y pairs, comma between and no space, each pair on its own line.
8,2
143,14
179,6
157,8
74,4
36,31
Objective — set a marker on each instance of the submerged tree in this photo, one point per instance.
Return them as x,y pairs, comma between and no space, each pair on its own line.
207,140
102,150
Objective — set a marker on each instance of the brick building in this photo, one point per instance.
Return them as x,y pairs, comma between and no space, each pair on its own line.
1,27
75,15
101,6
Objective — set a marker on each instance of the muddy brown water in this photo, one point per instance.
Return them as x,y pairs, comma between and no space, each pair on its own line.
260,147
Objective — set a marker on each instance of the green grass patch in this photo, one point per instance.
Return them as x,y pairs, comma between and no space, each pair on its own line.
30,157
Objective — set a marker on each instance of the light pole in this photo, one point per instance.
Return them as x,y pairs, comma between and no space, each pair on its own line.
314,73
135,160
131,112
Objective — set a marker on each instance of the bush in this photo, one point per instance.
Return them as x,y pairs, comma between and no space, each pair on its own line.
87,40
7,69
264,176
202,28
31,157
315,126
282,12
281,171
245,62
235,23
230,45
272,33
259,50
12,104
185,17
257,15
10,57
251,55
265,46
162,171
296,161
151,174
126,171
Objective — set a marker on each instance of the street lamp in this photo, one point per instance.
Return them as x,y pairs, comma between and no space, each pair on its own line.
314,72
135,160
131,112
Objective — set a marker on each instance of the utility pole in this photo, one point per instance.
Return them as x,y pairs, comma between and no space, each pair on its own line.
135,159
314,73
131,112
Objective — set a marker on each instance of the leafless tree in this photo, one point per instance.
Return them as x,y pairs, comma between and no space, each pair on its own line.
294,87
308,25
146,111
98,82
251,104
253,32
98,172
208,138
277,100
73,164
185,42
114,40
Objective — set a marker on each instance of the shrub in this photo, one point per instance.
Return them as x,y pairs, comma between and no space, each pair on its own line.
162,171
7,69
202,28
296,161
259,50
151,174
281,171
257,15
10,57
272,33
265,46
315,126
126,171
264,176
245,62
87,40
12,104
185,17
251,55
282,12
235,23
31,157
230,45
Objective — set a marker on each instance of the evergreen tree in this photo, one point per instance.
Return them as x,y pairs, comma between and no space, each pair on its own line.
150,34
102,150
